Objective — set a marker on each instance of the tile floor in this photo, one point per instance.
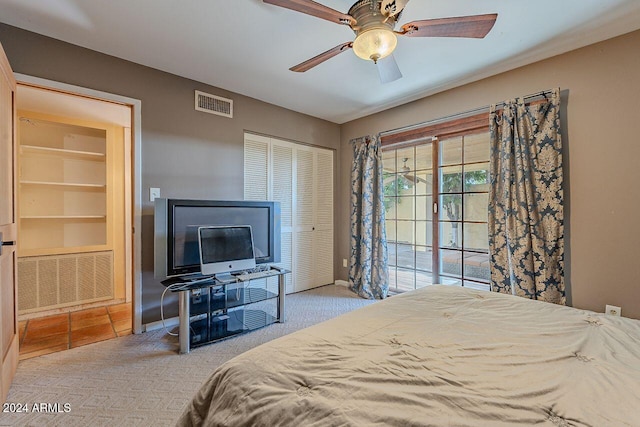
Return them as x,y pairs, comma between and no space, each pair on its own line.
64,331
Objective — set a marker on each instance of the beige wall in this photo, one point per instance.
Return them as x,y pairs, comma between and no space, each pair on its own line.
601,136
186,153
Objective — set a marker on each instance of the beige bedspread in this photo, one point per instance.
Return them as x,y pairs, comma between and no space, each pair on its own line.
439,356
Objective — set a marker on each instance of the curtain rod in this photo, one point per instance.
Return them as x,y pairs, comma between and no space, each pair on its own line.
463,114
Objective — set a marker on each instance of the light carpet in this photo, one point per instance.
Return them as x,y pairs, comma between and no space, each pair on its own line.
141,380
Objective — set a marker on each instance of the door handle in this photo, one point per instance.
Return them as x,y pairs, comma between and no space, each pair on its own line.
3,243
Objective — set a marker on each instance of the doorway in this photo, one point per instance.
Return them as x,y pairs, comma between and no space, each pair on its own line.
75,254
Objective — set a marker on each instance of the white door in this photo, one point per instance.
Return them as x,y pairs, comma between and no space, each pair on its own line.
8,228
323,218
314,218
304,220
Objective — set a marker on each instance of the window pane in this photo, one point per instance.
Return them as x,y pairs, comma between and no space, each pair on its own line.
423,279
450,234
451,262
478,286
424,233
450,208
390,186
390,207
424,182
391,253
424,208
476,148
410,183
451,281
476,177
405,185
476,236
451,151
390,225
406,232
406,159
451,179
392,277
405,208
476,267
406,256
389,161
476,207
423,258
406,279
424,158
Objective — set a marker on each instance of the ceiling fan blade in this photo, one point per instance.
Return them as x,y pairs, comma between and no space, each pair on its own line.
476,26
390,8
314,9
388,69
310,63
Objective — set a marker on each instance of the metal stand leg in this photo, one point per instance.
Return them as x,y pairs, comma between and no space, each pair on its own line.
281,292
183,315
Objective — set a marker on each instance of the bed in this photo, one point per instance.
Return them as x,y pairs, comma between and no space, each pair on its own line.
440,356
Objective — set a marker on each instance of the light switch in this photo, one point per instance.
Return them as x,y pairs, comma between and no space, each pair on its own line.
154,193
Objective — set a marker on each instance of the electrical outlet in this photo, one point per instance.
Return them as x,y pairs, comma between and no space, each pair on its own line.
344,262
612,310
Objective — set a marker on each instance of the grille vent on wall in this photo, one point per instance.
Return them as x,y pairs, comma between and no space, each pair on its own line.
213,104
56,281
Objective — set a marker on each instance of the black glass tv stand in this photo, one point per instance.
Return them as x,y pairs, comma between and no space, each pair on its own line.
211,310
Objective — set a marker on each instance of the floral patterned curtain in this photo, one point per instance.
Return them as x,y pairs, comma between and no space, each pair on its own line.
526,228
368,274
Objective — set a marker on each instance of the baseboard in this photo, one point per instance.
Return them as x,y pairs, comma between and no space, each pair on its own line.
342,283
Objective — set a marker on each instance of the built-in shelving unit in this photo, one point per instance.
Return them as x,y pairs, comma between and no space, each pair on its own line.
68,230
64,196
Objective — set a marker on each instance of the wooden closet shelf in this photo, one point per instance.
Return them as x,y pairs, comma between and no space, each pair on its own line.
70,217
65,184
63,152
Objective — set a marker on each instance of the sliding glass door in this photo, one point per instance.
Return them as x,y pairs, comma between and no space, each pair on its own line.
436,199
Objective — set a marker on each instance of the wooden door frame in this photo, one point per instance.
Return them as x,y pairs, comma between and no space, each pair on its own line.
9,355
136,174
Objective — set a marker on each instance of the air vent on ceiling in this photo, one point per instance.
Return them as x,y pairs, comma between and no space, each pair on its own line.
213,104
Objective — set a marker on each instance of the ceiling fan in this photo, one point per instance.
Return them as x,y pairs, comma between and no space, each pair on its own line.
373,22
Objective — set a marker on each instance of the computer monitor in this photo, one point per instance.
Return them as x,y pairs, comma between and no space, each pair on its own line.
225,249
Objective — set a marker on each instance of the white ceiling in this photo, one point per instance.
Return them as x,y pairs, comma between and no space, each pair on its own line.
247,47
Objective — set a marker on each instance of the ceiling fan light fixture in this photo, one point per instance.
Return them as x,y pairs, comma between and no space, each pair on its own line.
375,43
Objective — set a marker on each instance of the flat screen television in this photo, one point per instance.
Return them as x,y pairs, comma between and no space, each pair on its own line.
176,223
225,249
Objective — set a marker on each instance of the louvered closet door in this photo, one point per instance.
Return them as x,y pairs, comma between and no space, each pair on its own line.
301,179
304,220
282,191
323,228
